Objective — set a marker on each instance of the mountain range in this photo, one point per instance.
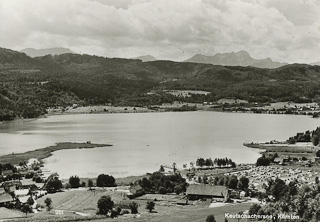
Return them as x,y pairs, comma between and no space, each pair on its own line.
146,58
42,52
241,58
30,85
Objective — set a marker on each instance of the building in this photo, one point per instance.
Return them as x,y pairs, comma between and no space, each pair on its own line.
5,198
6,173
216,193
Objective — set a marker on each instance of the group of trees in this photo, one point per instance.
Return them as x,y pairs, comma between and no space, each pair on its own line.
107,207
300,137
103,180
290,199
313,136
53,184
231,182
159,183
223,162
266,160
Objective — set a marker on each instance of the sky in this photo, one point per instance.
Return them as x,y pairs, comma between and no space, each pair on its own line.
284,30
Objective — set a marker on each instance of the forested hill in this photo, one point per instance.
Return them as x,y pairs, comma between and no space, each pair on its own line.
30,85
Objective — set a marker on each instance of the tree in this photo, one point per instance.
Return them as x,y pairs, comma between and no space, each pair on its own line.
53,183
105,181
48,203
105,205
133,207
150,206
74,182
210,218
243,183
200,162
263,161
209,162
315,140
26,209
233,182
90,183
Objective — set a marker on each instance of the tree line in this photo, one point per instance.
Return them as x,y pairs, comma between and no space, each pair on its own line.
220,162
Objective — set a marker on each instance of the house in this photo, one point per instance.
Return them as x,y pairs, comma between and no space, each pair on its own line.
21,193
242,195
11,185
217,193
6,173
29,184
5,198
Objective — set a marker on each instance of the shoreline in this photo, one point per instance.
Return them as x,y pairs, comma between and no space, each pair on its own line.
283,148
46,152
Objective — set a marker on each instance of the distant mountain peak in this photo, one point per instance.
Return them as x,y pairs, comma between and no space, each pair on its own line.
42,52
146,58
241,58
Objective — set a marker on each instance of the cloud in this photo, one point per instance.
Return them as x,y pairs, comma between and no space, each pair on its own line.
283,30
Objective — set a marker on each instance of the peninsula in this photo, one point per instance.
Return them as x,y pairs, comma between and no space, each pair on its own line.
43,153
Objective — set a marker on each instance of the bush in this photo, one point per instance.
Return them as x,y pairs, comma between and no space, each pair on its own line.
210,218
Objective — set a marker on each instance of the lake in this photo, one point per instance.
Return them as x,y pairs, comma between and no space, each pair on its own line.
143,141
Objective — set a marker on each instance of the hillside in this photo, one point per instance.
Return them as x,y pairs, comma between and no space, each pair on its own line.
241,58
30,85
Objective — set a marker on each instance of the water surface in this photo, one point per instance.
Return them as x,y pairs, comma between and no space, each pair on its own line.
143,141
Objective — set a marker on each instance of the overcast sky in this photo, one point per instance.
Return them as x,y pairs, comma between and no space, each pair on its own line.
284,30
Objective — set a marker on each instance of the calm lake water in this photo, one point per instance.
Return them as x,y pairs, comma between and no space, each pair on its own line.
143,141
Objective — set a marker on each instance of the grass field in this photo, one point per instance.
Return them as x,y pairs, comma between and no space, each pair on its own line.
81,201
165,210
7,213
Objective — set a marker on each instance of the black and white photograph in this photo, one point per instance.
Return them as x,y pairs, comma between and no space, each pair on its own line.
160,110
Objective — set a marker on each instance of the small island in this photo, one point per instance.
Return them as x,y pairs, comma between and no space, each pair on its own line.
43,153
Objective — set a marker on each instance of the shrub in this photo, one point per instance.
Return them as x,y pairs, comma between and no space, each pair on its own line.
210,218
